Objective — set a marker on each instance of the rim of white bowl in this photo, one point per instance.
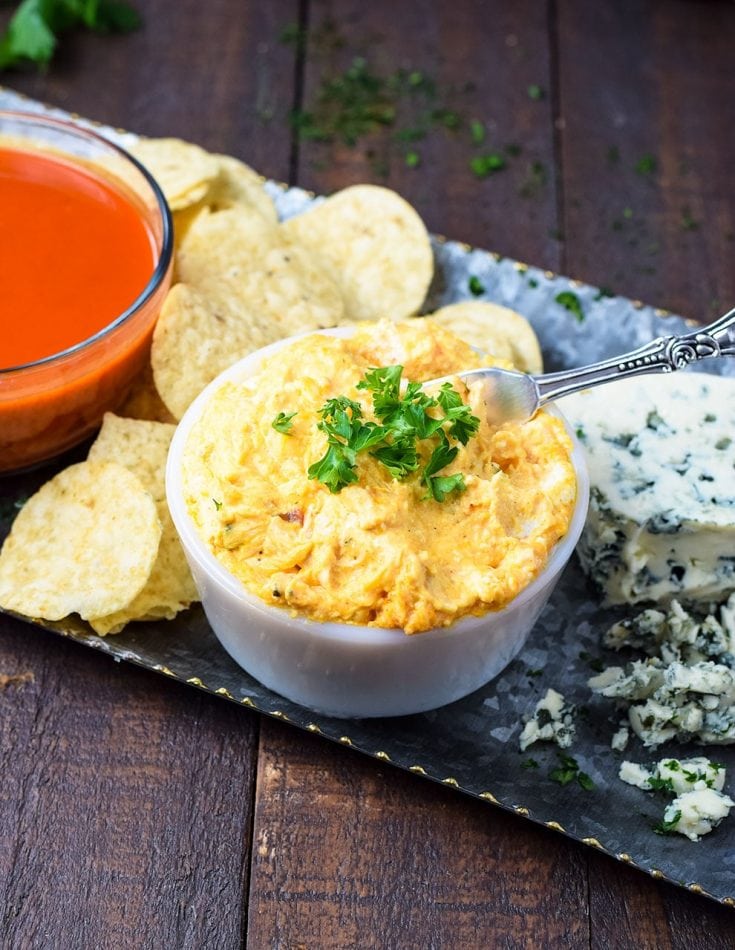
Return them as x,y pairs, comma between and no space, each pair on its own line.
333,630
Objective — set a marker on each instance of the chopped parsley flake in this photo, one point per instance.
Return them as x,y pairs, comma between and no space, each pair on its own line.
572,303
476,286
283,422
529,764
646,165
688,223
489,164
217,504
477,132
668,827
535,92
568,771
413,159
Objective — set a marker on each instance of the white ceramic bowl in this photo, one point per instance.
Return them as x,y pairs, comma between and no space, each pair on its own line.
347,670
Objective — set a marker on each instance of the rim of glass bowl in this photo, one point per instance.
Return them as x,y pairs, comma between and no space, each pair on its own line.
331,629
167,242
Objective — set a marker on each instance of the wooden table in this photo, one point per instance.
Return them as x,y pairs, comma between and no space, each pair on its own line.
137,813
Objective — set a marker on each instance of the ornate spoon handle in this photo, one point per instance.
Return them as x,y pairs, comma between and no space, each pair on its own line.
665,354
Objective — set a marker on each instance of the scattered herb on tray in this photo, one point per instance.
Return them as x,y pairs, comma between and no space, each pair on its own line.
476,286
568,771
646,165
488,164
572,303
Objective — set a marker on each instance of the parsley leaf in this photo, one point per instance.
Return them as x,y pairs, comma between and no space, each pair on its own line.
667,827
462,423
442,456
335,469
33,31
442,485
283,422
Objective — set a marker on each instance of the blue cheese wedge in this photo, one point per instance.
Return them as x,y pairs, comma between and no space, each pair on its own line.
552,721
661,454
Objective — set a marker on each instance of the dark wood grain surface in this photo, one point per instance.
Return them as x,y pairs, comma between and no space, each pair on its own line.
136,813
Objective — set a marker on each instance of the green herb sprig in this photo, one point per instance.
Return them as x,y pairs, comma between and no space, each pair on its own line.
34,29
405,419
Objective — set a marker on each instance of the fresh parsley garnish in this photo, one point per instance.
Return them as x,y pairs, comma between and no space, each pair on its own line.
476,286
572,303
535,92
34,29
529,764
283,422
405,420
217,504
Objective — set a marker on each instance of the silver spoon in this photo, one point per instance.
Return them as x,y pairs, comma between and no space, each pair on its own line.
510,396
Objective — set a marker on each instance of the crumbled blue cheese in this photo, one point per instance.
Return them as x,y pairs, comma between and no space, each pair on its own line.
700,804
685,688
694,814
552,721
620,739
675,776
661,453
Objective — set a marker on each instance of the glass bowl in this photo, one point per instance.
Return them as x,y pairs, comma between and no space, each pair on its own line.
52,403
349,670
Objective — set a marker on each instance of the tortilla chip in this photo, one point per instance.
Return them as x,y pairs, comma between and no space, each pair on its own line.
142,447
224,244
287,287
374,245
495,330
238,184
196,338
183,170
143,400
85,543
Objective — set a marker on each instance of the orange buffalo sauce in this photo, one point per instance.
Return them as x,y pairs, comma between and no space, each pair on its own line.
77,249
74,254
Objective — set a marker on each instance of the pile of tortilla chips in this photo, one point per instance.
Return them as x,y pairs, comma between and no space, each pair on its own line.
97,540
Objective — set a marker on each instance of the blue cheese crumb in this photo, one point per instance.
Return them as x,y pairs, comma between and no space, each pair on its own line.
552,721
694,814
685,687
675,776
699,804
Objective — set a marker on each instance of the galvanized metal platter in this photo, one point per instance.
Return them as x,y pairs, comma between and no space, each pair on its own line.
472,745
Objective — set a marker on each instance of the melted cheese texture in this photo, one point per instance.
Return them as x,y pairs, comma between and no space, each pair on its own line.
376,553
